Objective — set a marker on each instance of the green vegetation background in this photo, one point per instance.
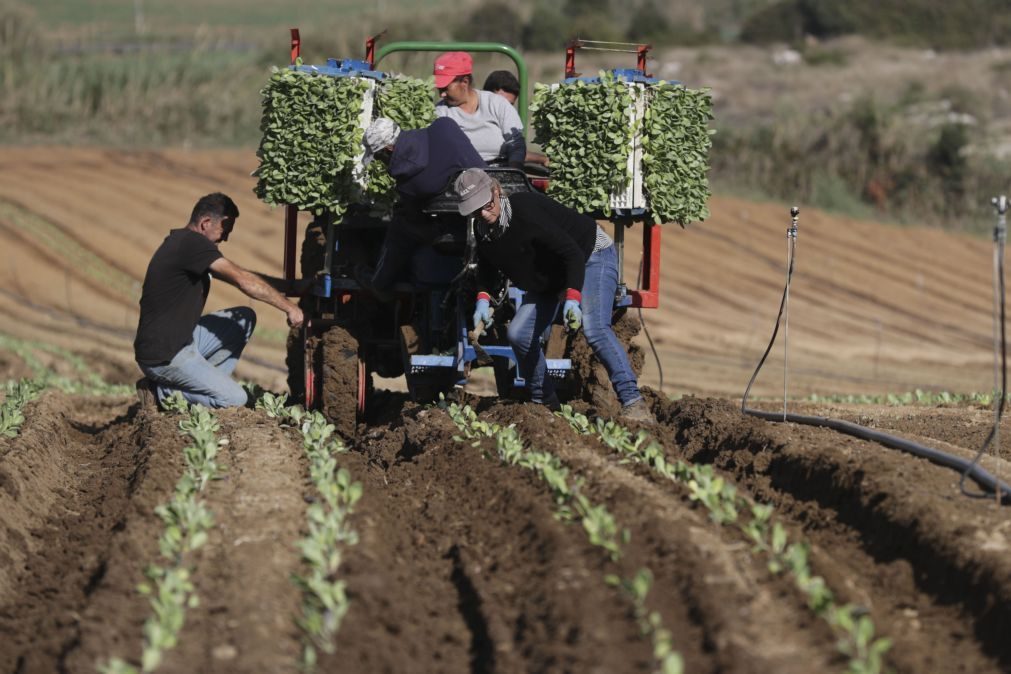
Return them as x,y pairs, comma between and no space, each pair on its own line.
189,72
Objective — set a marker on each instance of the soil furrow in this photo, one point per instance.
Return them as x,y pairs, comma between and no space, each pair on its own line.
246,618
727,612
111,620
890,531
463,567
67,484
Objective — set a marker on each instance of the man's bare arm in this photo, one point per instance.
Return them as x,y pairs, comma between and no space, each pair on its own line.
285,286
257,287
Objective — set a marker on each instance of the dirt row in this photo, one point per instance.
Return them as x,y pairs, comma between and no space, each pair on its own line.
462,563
80,485
890,532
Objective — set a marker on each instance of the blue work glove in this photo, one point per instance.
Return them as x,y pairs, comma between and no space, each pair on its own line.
482,314
572,315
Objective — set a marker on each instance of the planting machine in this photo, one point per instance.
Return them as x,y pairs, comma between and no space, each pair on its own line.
422,332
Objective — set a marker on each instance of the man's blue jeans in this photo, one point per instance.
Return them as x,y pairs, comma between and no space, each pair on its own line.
537,313
202,370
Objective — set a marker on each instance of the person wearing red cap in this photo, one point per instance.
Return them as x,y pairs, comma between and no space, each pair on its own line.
490,122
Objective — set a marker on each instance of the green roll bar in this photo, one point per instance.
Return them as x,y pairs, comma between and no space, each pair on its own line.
496,47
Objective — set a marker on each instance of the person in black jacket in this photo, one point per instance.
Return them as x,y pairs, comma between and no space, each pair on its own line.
555,255
422,161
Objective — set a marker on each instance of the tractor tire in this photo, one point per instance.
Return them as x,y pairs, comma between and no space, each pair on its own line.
343,381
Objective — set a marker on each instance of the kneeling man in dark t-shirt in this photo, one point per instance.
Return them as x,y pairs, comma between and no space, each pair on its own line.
176,348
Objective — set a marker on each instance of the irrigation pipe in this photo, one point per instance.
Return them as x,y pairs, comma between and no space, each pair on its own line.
969,469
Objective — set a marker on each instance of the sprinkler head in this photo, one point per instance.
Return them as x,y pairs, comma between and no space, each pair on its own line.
1000,203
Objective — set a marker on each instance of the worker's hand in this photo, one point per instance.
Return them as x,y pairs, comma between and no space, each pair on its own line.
572,315
295,317
482,314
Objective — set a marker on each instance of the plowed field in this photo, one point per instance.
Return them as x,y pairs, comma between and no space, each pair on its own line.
468,563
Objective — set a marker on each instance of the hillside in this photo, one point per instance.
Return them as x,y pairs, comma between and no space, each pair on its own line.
874,308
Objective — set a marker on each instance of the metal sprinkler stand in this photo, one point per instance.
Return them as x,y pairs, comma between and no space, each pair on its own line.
791,250
999,363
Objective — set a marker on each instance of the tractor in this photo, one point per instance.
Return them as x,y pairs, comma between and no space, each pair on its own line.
422,333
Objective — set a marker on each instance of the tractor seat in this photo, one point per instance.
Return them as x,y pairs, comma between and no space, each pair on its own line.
512,180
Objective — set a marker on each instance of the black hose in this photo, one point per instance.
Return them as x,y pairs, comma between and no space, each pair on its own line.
642,321
775,331
969,469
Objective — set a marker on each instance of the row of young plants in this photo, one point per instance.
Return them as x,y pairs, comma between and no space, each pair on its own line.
87,381
188,521
324,596
916,397
17,394
571,503
852,625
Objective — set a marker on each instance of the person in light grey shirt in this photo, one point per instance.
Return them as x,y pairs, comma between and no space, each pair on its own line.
489,121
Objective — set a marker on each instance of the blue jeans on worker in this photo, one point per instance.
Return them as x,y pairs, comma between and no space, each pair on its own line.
537,313
600,283
202,370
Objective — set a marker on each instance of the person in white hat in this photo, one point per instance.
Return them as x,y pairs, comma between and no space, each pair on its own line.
422,161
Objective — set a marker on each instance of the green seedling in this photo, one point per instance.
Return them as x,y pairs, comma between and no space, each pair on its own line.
175,403
272,404
16,396
117,666
324,599
187,520
650,622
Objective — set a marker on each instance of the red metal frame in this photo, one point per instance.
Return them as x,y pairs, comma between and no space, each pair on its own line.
641,51
291,211
370,49
296,45
570,58
648,296
310,377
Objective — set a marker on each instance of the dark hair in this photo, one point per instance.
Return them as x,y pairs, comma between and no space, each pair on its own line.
502,80
218,206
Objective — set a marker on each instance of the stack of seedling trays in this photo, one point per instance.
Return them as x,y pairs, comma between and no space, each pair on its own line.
624,144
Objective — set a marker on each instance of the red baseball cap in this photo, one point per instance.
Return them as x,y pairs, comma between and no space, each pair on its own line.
451,65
